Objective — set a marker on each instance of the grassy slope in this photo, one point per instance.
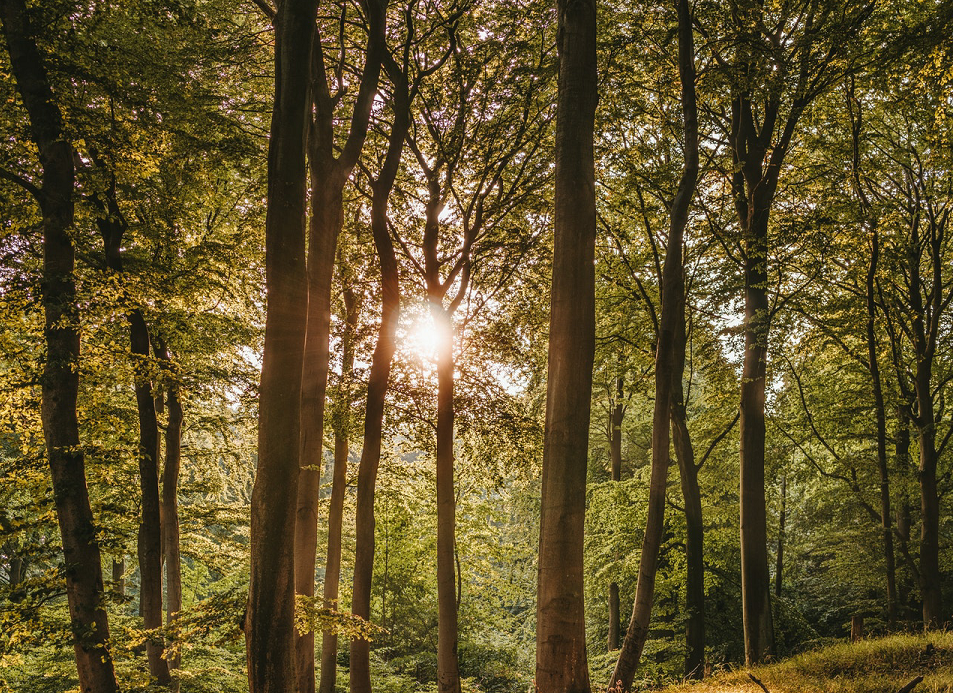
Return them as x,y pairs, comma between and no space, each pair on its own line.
871,666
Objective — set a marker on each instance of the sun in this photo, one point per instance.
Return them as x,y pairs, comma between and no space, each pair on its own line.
426,338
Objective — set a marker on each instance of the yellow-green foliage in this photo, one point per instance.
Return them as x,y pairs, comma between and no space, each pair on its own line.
872,666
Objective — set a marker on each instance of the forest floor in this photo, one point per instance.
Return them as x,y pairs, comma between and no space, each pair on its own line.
882,665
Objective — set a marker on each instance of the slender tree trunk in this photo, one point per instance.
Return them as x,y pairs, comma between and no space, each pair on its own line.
269,617
904,519
448,671
673,303
694,525
377,386
342,429
779,563
327,217
112,226
930,578
370,461
119,581
170,505
924,329
873,356
756,581
561,662
886,516
329,175
615,456
150,527
60,380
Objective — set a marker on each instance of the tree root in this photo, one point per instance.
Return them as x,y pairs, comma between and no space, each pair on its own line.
910,686
765,688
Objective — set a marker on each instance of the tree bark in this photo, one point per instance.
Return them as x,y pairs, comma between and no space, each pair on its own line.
342,429
118,572
756,603
329,175
377,383
615,456
561,661
873,357
150,527
448,670
269,618
673,304
886,516
779,562
327,214
60,380
694,524
112,226
170,502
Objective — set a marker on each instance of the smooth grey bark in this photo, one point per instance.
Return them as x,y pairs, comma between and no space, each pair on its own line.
561,660
269,616
60,379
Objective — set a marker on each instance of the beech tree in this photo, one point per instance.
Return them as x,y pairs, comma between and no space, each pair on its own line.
561,661
60,384
269,617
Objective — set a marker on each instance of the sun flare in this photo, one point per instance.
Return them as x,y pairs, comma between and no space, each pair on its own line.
426,338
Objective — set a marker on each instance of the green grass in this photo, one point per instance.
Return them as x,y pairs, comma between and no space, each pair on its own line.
882,665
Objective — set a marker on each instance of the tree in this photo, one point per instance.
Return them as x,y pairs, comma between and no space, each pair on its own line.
561,662
772,64
670,345
269,618
60,384
328,176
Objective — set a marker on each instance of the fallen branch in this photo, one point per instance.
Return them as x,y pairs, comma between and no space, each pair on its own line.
910,686
765,688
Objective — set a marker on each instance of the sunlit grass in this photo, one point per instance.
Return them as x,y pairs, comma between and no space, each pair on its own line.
882,665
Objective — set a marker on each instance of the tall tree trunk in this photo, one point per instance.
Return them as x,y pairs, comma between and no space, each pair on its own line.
673,303
112,227
755,579
377,384
60,381
119,580
873,356
779,562
886,516
615,456
930,578
694,524
561,662
269,617
150,527
448,670
327,216
342,429
904,512
329,175
170,502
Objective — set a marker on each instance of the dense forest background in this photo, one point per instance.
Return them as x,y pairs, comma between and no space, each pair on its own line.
136,187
